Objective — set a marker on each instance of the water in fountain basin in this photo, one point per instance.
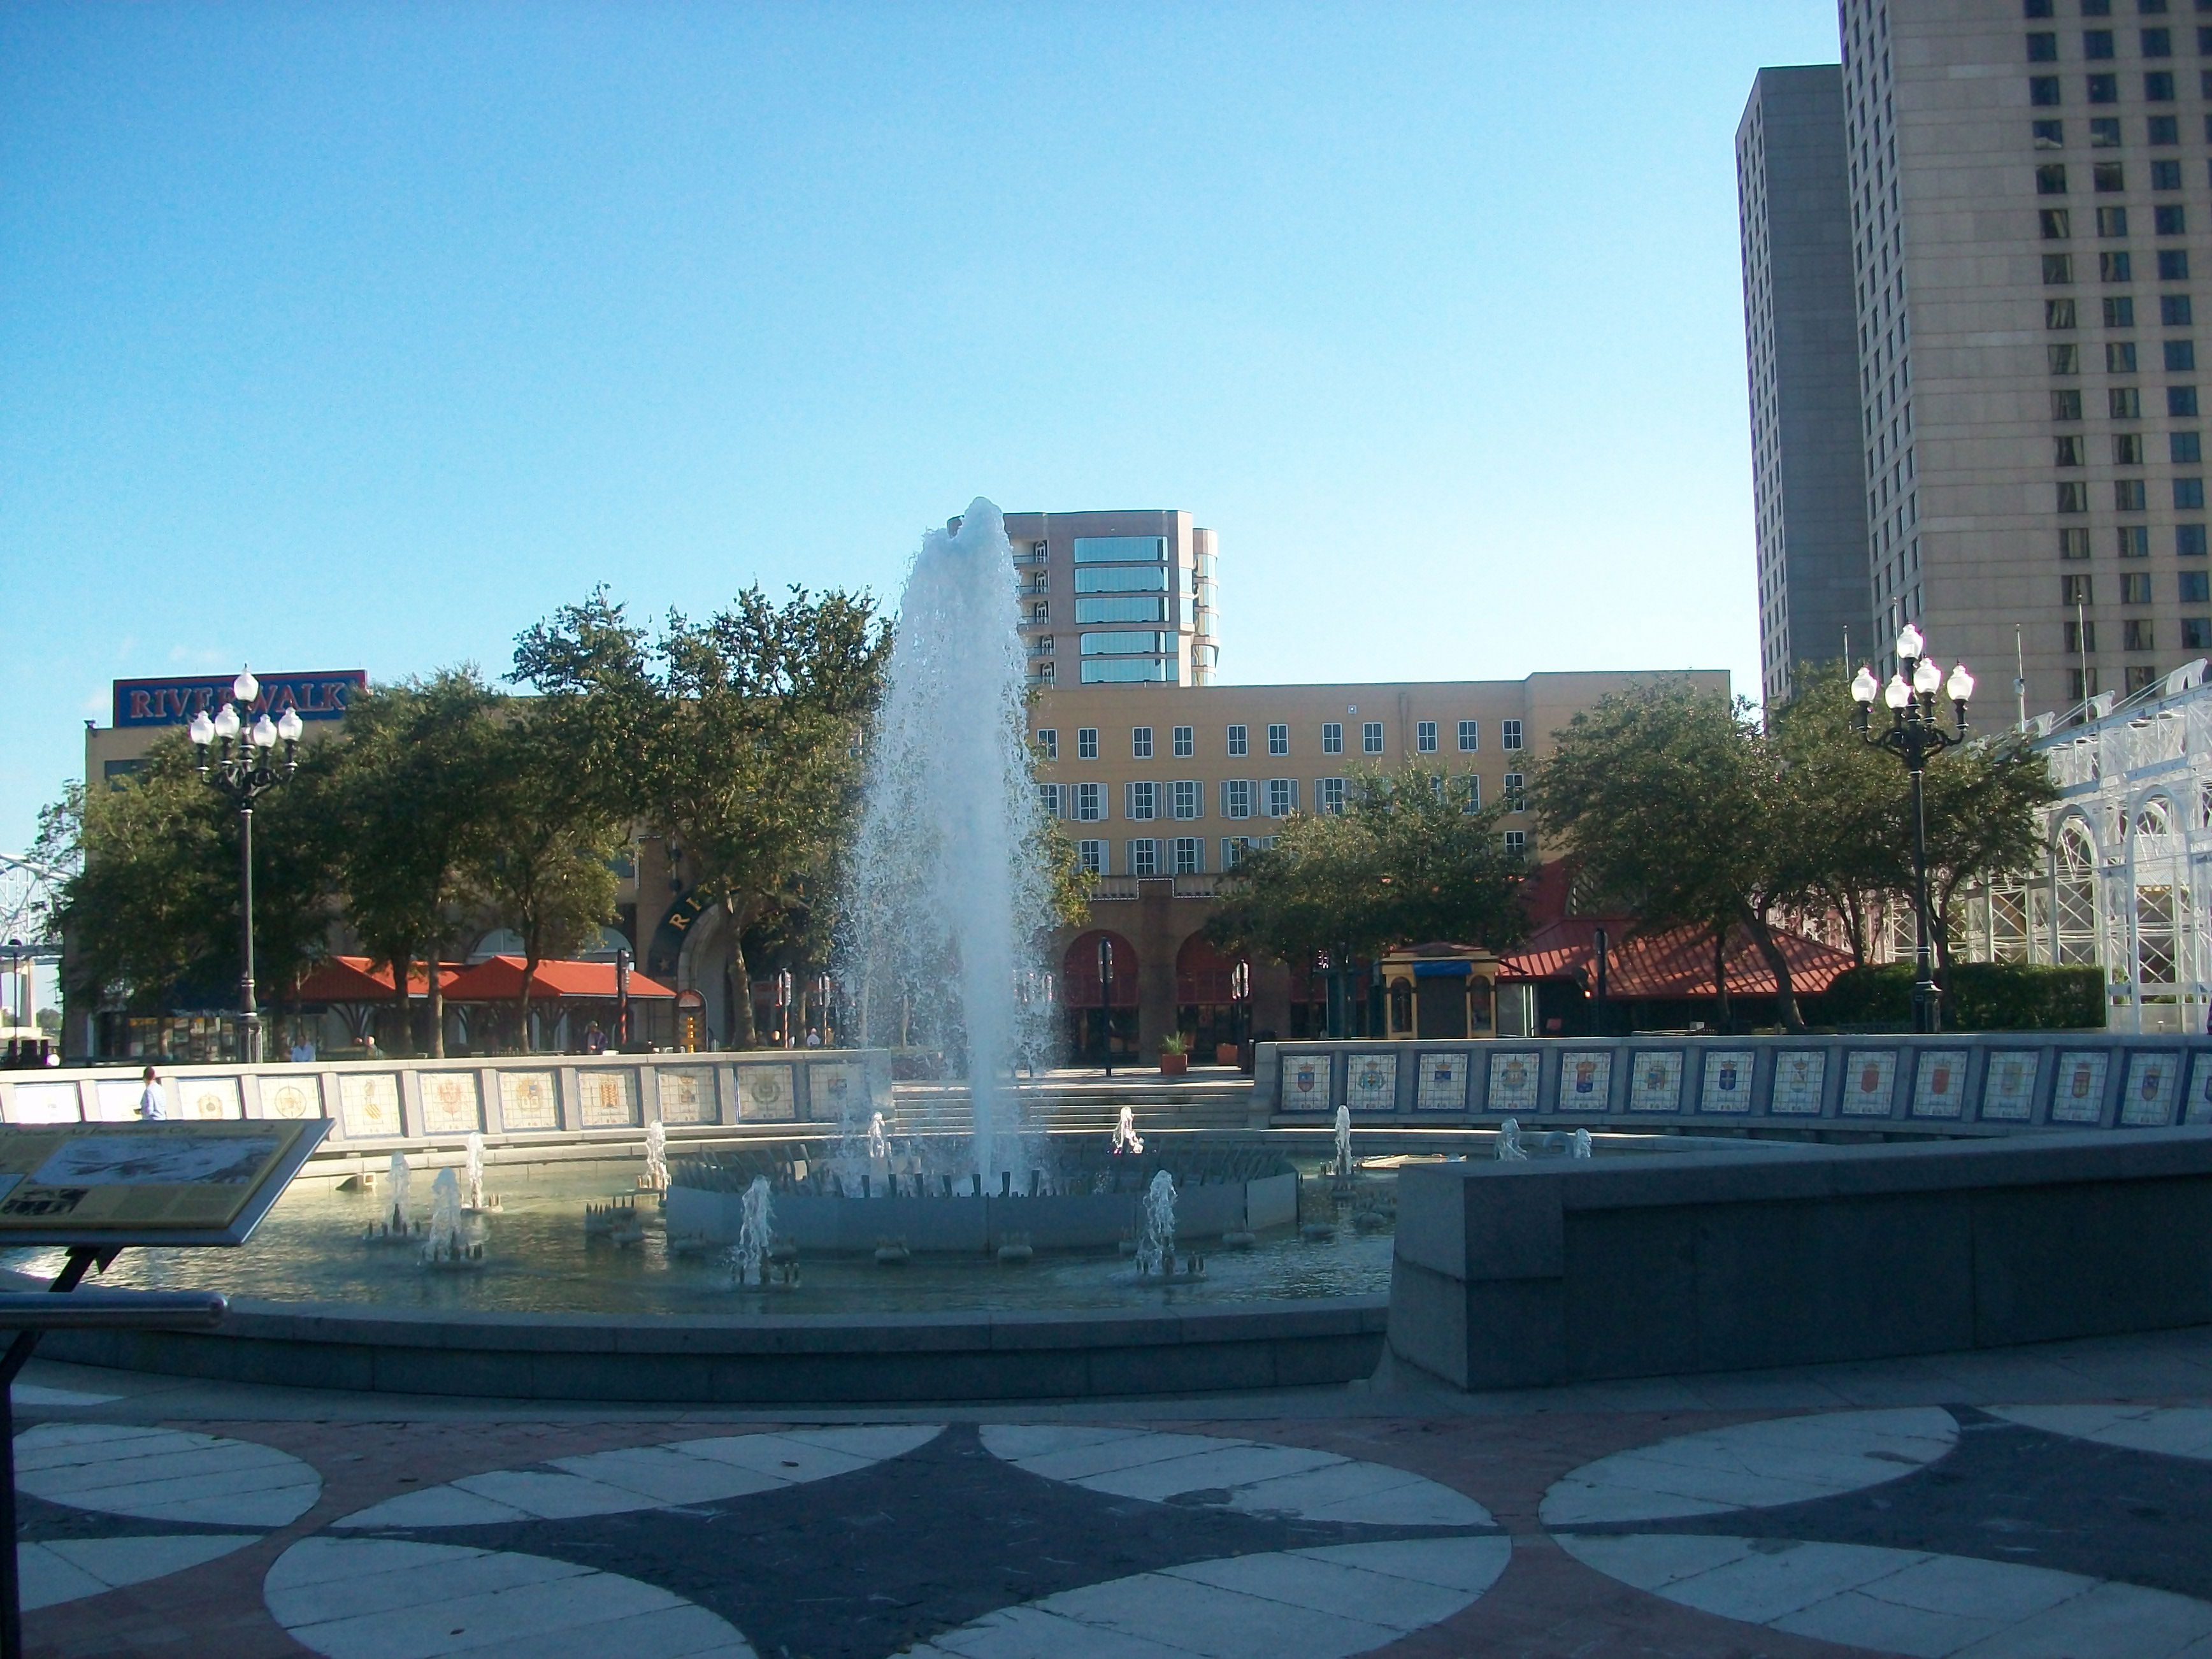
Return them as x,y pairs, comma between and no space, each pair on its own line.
949,895
751,1250
1156,1247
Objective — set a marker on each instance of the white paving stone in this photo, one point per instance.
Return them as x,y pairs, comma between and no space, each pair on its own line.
1934,1606
164,1474
2176,1431
647,1477
108,1563
1258,1478
34,1394
1752,1464
1300,1604
1015,1440
47,1580
377,1599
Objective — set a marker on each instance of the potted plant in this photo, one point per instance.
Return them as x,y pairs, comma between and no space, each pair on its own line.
1174,1054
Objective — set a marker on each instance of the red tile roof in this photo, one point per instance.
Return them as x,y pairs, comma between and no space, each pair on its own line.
499,979
352,979
1677,962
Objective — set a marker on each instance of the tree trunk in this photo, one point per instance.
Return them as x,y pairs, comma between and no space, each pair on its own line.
403,1035
742,1035
1786,999
436,998
522,1002
1724,1020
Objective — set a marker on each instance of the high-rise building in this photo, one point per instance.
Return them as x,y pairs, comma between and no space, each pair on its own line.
1116,598
1802,349
2029,206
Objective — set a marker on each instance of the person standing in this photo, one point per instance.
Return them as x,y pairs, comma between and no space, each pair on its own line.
152,1108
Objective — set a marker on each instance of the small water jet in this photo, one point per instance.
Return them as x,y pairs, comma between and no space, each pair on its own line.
750,1253
1156,1251
655,1178
474,1201
397,1225
1581,1148
617,1215
1510,1149
1126,1138
448,1248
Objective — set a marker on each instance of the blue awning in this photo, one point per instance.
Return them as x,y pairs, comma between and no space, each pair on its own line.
1442,970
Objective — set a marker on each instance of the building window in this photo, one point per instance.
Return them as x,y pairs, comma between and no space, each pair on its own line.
2189,492
2135,588
1470,793
2157,43
1240,742
2124,403
1510,793
2058,314
1332,738
2141,678
1087,742
1142,800
2196,633
2066,404
2105,176
2120,357
1233,849
2111,221
1425,736
2158,86
1282,797
2180,357
2196,587
2055,223
1328,795
2103,89
2075,590
2063,359
1144,857
1190,855
2128,495
1048,741
1278,739
1048,799
1141,743
2073,544
1045,670
2104,132
2184,446
1185,742
2051,179
1089,802
1236,798
2127,449
1370,738
2115,267
1470,737
1516,841
2181,402
2097,44
1509,734
2136,634
1041,612
2189,540
2172,265
2163,128
1091,854
2166,175
2120,311
2173,310
1186,800
2042,47
2049,135
2081,636
2085,685
2057,267
2073,497
2134,541
2068,451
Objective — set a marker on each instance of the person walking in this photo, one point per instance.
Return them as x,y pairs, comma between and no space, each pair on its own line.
152,1108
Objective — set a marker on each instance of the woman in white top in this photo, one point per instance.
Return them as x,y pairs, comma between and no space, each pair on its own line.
151,1107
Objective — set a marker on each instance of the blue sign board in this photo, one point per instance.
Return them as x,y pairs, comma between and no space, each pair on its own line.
173,703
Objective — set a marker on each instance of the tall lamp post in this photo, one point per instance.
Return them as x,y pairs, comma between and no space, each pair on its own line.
1913,734
240,761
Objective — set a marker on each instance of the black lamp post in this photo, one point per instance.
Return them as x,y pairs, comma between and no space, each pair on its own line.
1106,994
240,761
1913,735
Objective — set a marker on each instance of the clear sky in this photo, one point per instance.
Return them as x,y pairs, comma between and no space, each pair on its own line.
342,335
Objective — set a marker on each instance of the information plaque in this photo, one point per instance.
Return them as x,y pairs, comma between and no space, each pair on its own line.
107,1185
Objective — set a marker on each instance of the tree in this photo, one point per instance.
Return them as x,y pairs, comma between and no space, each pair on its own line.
740,738
1847,794
1404,862
1675,799
538,852
1985,802
411,783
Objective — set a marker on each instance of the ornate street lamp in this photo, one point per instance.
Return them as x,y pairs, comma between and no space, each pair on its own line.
1913,735
240,761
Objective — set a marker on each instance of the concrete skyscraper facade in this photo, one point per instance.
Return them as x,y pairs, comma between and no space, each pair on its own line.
2028,200
1801,350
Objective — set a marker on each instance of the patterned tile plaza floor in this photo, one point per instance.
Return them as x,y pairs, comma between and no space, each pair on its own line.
2045,1504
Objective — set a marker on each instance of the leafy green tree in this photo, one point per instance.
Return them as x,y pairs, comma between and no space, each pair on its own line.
1847,796
1985,803
1674,799
1403,863
538,854
411,783
740,737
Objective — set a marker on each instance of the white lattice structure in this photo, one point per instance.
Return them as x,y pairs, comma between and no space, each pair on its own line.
2128,874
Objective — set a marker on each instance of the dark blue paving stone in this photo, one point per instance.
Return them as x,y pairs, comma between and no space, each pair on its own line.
41,1522
862,1565
2007,1492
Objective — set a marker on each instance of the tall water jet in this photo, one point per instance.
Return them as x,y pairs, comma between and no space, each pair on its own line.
476,1194
656,1157
401,1213
749,1255
949,897
1156,1247
1344,1143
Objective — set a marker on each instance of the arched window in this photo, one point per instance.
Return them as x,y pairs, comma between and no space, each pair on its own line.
2075,860
2155,817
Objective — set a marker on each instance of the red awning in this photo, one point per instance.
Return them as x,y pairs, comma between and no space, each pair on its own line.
499,979
351,979
1675,963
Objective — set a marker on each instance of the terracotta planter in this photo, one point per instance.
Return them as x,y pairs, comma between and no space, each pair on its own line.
1224,1054
1173,1065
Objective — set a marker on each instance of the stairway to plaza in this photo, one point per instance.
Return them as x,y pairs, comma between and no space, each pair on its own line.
1083,1101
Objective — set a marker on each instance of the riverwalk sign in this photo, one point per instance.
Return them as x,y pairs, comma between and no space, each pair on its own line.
106,1185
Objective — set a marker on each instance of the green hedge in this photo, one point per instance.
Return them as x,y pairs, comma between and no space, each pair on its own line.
1981,996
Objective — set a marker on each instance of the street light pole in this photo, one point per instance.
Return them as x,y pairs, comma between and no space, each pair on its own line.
237,760
1913,736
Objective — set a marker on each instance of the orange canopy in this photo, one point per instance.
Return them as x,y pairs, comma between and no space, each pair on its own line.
351,979
499,979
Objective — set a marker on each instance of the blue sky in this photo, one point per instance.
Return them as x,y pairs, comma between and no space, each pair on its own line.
362,335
